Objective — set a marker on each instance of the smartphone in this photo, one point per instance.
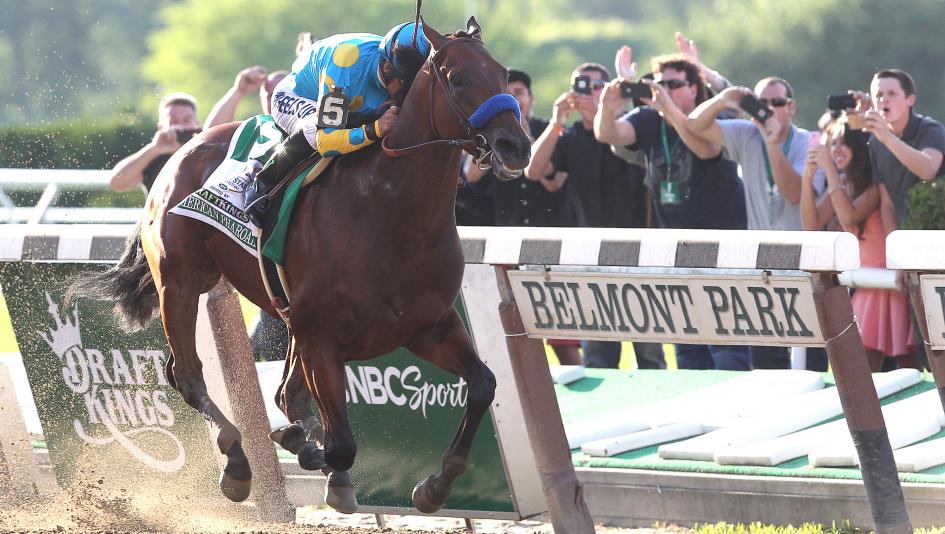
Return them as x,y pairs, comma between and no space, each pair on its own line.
582,84
186,135
751,105
635,90
813,139
841,102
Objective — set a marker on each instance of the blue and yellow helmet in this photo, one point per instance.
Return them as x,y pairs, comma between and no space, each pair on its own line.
402,35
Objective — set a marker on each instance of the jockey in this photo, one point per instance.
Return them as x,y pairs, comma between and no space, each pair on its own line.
331,100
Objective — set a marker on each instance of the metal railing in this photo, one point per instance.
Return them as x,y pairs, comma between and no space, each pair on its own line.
53,183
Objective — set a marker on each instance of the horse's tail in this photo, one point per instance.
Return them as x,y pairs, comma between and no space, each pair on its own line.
129,284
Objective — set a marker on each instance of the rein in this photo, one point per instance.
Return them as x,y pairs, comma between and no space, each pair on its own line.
470,141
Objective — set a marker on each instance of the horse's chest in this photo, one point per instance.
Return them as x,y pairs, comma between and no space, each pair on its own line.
373,324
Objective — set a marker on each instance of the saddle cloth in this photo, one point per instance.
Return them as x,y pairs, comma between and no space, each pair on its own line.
220,202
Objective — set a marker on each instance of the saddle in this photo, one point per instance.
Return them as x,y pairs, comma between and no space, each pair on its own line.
275,224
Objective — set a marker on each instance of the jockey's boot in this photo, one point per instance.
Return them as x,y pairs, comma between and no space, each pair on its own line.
290,153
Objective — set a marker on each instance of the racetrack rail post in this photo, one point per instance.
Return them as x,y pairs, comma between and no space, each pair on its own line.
245,402
936,357
563,493
860,404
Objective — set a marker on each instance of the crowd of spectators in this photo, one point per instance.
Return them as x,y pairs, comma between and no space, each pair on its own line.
684,155
687,156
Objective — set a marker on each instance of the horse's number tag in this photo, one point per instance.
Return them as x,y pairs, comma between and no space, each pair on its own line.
333,110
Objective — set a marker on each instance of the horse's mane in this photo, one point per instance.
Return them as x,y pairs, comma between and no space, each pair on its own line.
409,63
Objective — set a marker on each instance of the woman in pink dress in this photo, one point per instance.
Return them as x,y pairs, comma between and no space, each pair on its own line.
851,203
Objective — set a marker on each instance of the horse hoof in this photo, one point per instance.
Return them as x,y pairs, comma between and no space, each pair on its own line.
311,458
234,489
342,498
235,482
290,438
421,497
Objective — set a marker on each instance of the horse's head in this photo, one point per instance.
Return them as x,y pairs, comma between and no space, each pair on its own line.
469,99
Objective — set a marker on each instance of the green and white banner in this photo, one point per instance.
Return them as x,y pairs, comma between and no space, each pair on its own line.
404,412
102,396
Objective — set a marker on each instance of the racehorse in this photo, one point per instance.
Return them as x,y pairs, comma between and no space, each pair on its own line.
373,260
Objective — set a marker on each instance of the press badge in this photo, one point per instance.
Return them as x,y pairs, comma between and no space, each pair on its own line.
333,109
669,193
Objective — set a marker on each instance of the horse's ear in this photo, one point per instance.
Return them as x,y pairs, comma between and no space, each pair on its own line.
436,38
473,28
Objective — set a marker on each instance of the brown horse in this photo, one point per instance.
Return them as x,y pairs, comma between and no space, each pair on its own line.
373,260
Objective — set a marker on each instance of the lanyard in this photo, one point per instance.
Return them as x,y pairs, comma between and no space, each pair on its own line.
666,150
786,148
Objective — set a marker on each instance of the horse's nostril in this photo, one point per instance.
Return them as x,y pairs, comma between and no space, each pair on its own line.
504,146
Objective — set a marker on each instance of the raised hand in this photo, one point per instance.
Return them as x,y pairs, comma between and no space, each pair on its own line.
687,47
769,130
624,65
165,140
732,97
250,79
661,100
562,107
610,97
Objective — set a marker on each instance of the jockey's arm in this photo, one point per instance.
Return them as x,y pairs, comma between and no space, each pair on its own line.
338,141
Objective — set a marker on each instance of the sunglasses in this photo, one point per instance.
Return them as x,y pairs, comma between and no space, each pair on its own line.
777,102
597,85
673,84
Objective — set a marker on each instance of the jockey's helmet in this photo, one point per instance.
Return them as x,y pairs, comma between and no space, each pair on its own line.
402,35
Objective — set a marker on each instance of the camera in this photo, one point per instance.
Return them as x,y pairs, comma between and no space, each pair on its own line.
186,135
582,84
635,90
752,106
841,102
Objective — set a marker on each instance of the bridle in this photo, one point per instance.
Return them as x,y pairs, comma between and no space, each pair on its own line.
473,143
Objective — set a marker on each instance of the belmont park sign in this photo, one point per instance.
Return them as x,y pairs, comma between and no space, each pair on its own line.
705,309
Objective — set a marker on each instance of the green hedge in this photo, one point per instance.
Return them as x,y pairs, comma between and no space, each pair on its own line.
926,206
71,145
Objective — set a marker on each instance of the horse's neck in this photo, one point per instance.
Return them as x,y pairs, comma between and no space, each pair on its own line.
425,184
426,177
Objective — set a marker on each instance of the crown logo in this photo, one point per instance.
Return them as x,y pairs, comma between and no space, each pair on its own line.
65,333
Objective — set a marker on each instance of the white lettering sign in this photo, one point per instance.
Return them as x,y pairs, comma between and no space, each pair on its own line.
390,385
116,393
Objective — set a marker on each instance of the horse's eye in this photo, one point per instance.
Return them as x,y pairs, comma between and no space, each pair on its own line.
455,79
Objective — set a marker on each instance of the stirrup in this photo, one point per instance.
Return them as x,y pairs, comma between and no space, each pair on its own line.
257,208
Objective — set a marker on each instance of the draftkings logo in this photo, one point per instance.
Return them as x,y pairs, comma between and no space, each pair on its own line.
122,404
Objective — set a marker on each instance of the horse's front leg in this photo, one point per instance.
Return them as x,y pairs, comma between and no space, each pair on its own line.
447,345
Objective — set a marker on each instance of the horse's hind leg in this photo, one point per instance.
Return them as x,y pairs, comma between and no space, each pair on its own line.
307,433
179,294
448,346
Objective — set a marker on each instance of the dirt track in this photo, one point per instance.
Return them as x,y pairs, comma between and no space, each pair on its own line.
91,510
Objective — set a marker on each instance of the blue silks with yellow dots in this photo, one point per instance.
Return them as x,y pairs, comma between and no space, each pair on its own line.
493,106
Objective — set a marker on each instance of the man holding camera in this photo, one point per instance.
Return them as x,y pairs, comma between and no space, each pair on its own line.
690,184
177,123
770,149
604,190
905,147
772,152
